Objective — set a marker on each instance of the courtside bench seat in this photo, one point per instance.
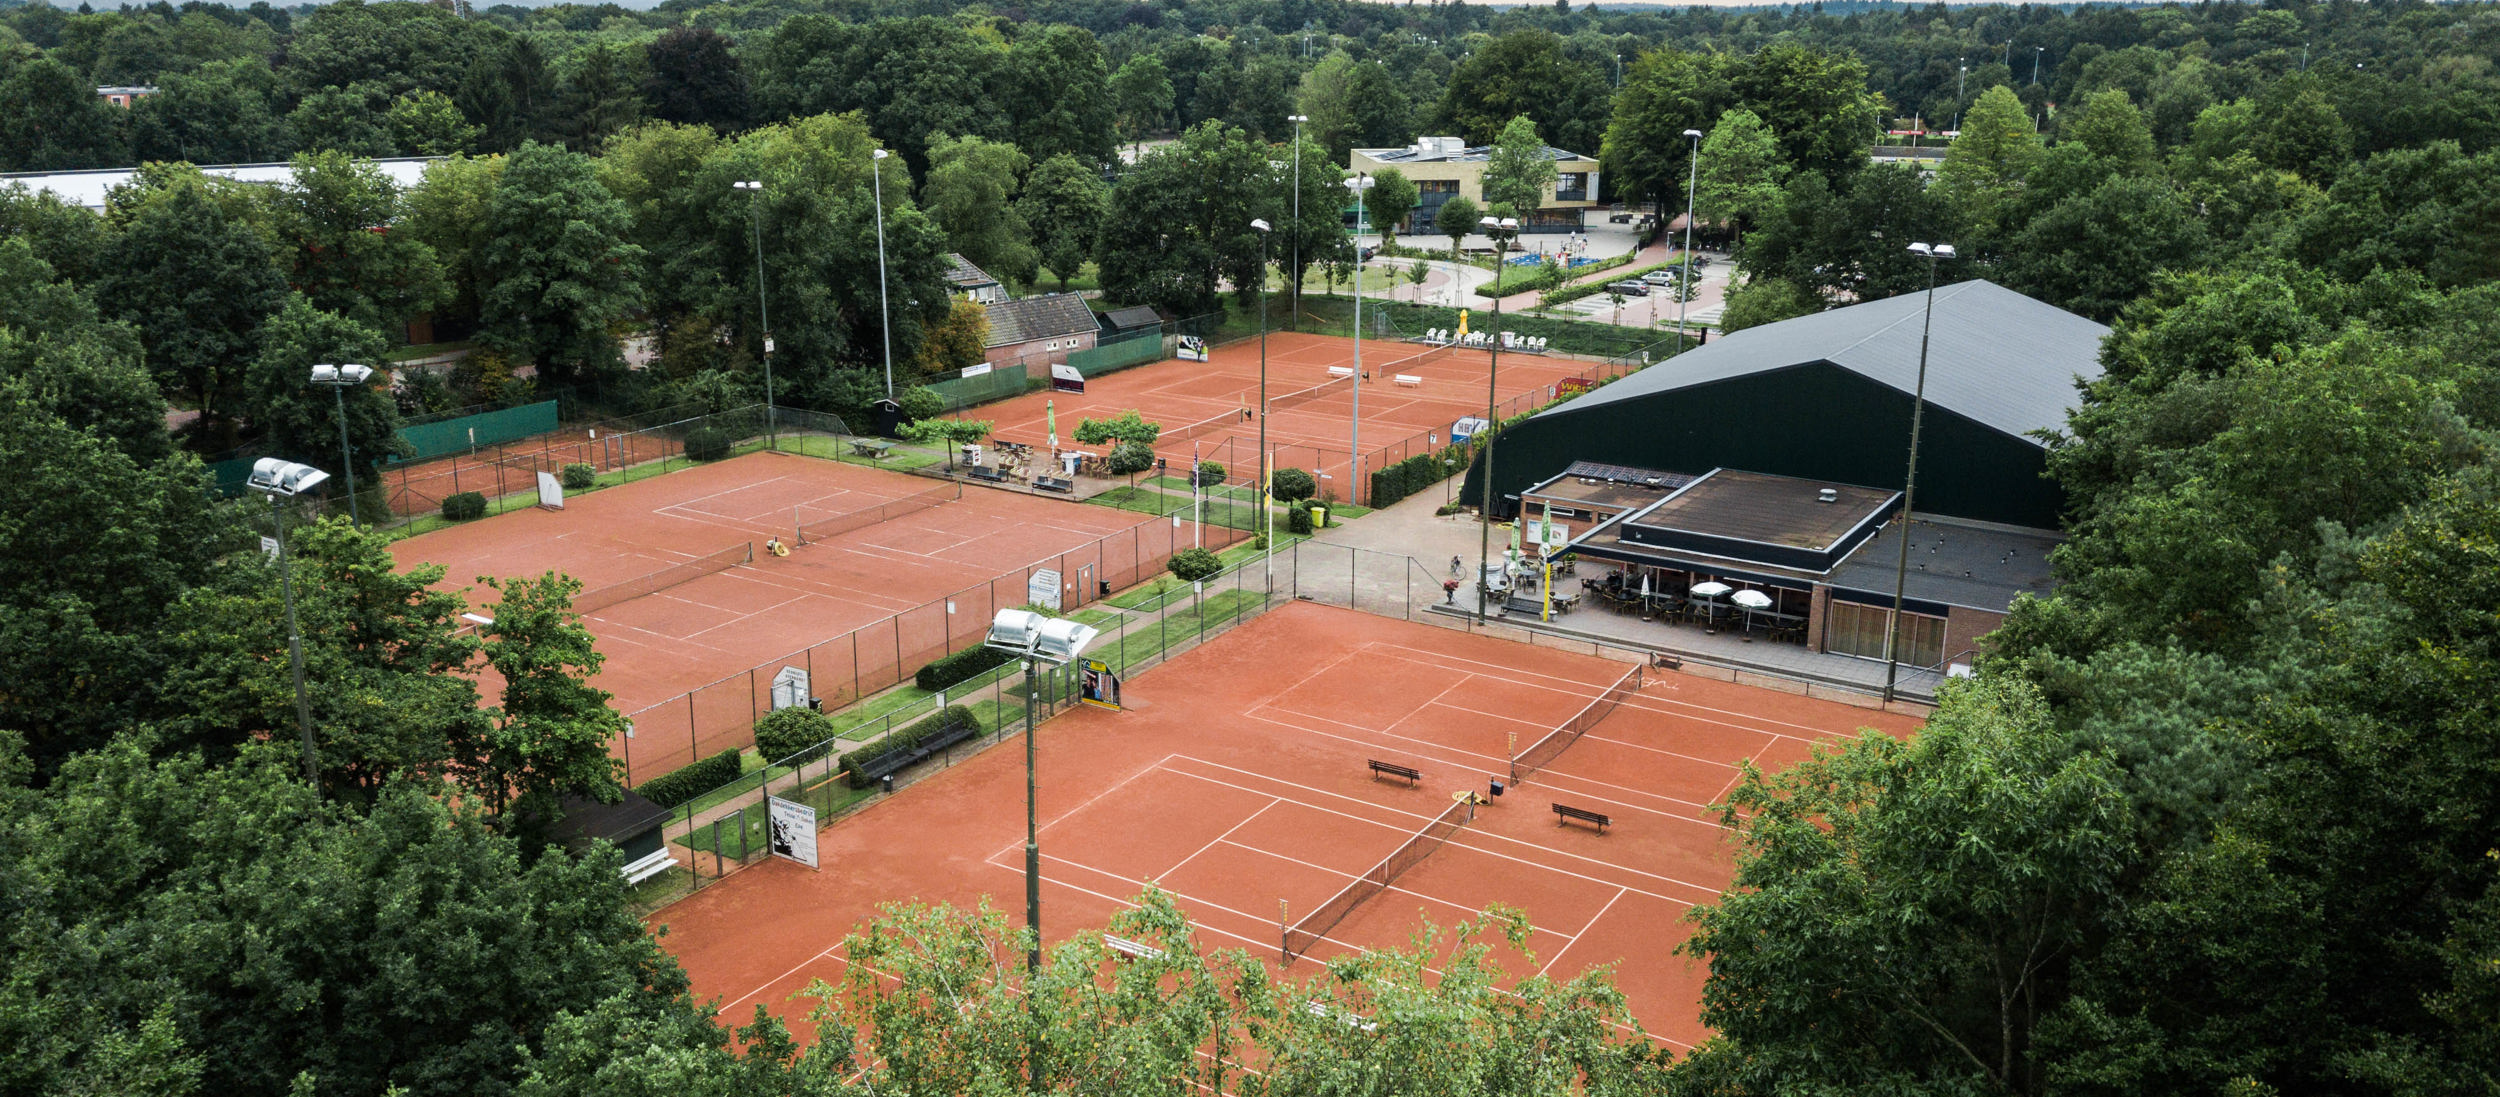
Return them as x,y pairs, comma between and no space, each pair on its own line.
886,765
649,865
1569,813
984,472
1053,483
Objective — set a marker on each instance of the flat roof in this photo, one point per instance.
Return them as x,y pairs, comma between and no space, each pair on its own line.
1765,509
90,188
1981,565
1608,487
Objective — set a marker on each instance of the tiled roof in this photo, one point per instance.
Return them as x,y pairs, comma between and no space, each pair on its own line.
964,275
1050,316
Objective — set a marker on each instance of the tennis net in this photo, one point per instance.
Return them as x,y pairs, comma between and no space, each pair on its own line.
1547,749
592,601
1321,391
1300,936
1422,357
828,528
1199,429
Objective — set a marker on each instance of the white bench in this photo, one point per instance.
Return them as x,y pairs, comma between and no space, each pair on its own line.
1134,950
652,864
1341,371
1408,379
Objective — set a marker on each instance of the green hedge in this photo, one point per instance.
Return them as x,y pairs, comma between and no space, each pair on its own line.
680,785
1414,474
578,477
783,733
951,716
464,506
709,443
1298,517
1293,483
947,670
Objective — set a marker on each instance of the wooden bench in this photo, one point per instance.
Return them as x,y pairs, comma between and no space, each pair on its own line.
871,450
887,765
1407,379
1584,815
984,472
649,865
1054,483
1134,950
1413,776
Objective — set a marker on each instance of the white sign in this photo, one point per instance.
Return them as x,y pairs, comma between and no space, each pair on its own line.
550,491
269,545
1043,589
793,827
790,688
1548,535
976,371
768,344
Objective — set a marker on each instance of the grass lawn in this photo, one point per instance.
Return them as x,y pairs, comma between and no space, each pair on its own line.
827,796
1137,645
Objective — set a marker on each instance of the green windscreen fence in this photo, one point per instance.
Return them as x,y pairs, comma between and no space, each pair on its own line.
980,388
1131,350
430,440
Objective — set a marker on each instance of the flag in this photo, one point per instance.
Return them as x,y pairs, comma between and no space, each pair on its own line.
1050,415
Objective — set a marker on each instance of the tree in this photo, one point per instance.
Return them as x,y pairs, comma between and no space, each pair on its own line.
327,217
1524,73
1741,171
948,434
1456,219
1130,458
1194,565
1064,202
691,76
556,268
1318,236
349,120
222,113
59,355
1180,222
1664,93
908,79
1989,162
55,120
2097,253
1766,300
970,193
600,96
2296,128
447,212
1059,95
197,285
1379,110
549,737
1934,892
300,420
510,90
1517,172
428,123
1816,101
960,341
2110,125
1391,198
1141,96
1294,483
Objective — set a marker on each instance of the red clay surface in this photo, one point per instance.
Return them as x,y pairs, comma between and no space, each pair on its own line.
1236,781
1314,435
498,470
974,550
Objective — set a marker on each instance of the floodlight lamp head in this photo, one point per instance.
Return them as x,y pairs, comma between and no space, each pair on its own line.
748,184
275,477
1297,119
346,374
878,154
1062,640
1259,223
1692,133
1362,181
1014,630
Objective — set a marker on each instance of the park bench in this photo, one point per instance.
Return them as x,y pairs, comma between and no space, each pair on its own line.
1584,815
886,765
873,450
1054,483
1412,775
1341,371
649,865
1408,379
1134,950
984,472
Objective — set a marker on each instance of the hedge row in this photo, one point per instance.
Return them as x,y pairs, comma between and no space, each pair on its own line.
952,716
709,443
1414,474
784,733
680,785
946,670
463,506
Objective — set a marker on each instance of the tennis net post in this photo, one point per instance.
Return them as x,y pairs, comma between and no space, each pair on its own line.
1314,927
1545,750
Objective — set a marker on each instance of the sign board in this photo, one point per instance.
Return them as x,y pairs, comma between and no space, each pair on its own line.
1547,535
1465,429
1101,687
1066,378
976,371
1043,589
1192,349
768,344
793,829
550,491
269,546
1574,386
790,688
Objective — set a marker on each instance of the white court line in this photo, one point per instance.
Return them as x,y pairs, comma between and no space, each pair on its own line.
1818,732
1156,766
1219,839
1556,958
1349,877
1438,752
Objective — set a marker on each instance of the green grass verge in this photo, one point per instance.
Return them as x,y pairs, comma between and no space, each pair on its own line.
1134,646
1146,500
747,831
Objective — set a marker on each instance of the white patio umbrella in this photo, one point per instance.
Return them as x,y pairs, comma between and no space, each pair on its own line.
1644,582
1751,599
1711,589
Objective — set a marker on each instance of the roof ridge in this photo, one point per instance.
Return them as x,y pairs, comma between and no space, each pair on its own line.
1955,287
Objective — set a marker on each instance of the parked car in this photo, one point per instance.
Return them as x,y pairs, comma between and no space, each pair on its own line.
1661,277
1629,289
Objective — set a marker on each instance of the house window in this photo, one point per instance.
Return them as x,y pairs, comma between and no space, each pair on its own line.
1854,629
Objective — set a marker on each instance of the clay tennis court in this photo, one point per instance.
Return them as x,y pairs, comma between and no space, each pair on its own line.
1237,781
420,487
1306,432
669,641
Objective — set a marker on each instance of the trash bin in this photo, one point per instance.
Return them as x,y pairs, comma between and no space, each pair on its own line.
1319,517
1496,782
886,784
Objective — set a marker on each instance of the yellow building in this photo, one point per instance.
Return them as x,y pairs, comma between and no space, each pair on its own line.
1444,167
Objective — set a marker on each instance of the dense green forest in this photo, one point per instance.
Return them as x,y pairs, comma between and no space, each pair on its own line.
2223,815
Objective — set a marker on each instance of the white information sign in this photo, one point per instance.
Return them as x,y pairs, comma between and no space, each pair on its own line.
793,827
1043,589
790,688
550,491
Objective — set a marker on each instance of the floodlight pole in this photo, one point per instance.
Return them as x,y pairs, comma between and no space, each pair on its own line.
1267,476
1297,121
1684,286
2036,51
295,650
763,312
1361,182
1909,484
1032,832
876,170
1502,235
347,459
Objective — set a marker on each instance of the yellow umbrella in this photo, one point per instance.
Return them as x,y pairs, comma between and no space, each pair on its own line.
1462,321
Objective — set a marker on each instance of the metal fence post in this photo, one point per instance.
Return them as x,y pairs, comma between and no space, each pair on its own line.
694,749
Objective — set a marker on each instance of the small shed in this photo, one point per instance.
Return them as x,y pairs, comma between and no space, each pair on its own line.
632,824
1131,319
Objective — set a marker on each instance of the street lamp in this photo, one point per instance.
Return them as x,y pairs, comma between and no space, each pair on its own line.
1267,476
282,479
1502,232
1684,286
1361,182
764,316
1297,121
2036,51
1035,639
1618,70
341,378
1959,83
1909,483
876,169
